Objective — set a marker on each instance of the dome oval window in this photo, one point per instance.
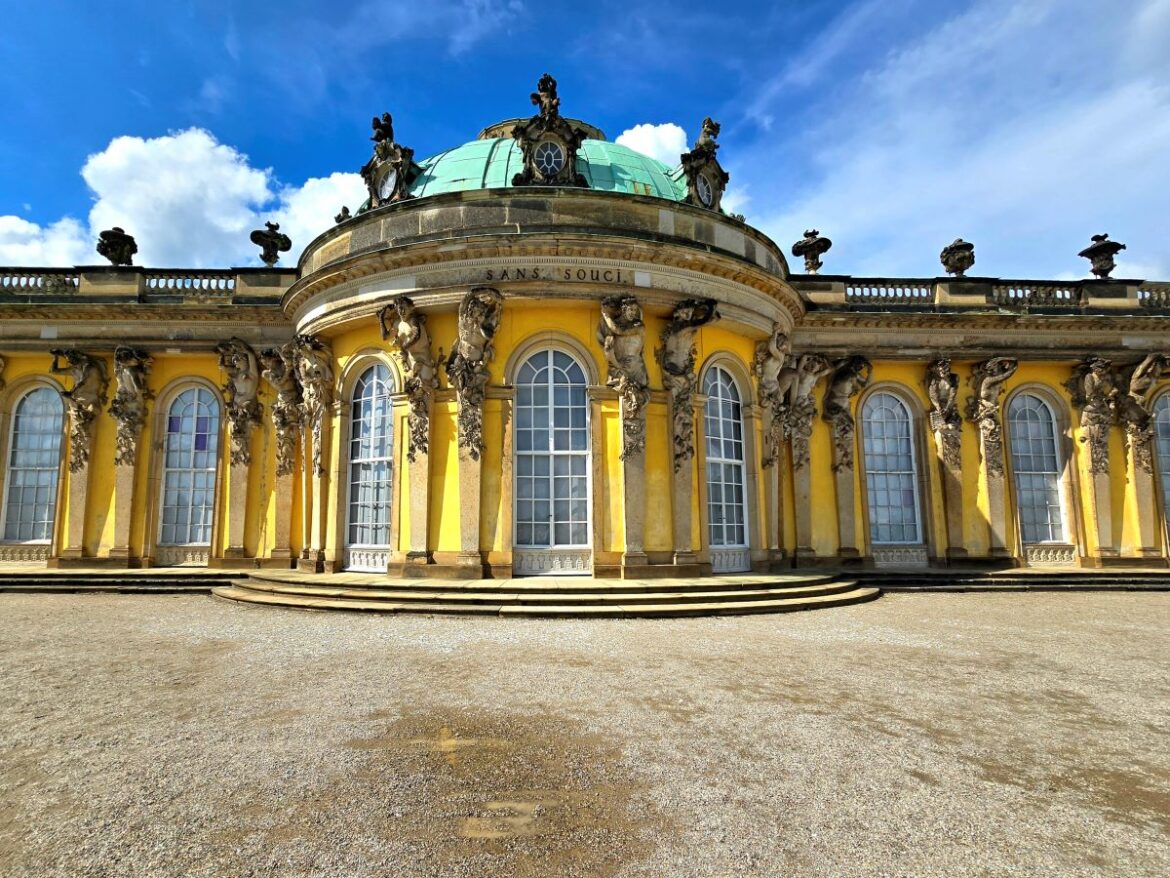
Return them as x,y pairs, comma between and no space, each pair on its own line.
703,187
549,158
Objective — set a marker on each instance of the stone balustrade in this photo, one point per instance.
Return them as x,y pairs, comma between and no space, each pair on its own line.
135,283
1155,296
38,281
889,292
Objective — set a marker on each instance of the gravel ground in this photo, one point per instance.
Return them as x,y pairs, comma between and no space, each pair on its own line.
921,735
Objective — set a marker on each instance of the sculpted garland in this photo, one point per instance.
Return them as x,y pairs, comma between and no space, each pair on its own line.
677,358
850,376
768,366
83,401
987,380
1094,391
280,371
315,374
1135,410
942,388
621,333
128,408
467,366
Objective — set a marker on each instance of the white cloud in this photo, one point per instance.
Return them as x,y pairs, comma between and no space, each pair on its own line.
664,142
189,201
989,126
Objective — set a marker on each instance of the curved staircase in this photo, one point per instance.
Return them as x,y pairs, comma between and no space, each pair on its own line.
550,596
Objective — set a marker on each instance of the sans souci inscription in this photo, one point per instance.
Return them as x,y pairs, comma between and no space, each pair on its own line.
557,273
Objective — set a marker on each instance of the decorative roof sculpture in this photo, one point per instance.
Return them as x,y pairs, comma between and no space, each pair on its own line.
549,142
706,179
958,257
117,246
390,171
812,247
272,242
1101,254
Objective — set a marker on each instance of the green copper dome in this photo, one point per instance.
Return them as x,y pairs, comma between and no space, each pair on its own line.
490,163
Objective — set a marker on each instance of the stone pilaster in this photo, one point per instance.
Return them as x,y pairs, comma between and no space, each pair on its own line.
850,375
238,470
983,408
1145,493
634,494
123,507
772,480
71,549
470,502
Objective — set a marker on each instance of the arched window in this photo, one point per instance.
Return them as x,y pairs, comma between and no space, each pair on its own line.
1162,438
552,466
371,466
1036,467
726,474
34,459
891,478
191,453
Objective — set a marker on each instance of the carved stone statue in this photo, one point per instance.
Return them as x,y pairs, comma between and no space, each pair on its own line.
942,387
548,142
128,408
280,371
545,97
406,328
958,257
383,128
314,363
812,247
677,358
467,366
118,247
798,382
768,365
237,359
1101,255
343,216
706,179
83,401
622,336
1094,391
850,376
1135,411
272,242
987,380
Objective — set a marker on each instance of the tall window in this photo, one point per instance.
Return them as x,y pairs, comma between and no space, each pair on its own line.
552,453
33,463
1162,437
726,496
891,480
189,463
1036,467
371,461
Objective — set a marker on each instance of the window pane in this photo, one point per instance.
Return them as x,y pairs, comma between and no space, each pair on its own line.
890,475
726,472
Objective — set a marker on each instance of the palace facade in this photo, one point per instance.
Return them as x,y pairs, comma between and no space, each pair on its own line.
542,352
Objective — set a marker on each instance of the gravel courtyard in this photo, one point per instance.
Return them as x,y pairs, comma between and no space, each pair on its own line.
921,735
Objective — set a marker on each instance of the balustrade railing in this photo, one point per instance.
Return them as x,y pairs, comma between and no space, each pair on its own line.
209,282
36,282
889,292
1021,294
1154,295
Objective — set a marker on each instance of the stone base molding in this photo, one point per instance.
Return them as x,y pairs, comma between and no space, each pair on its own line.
563,562
19,553
734,560
1050,556
900,556
181,556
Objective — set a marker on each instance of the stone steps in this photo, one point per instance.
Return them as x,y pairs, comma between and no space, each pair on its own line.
111,581
1015,580
595,600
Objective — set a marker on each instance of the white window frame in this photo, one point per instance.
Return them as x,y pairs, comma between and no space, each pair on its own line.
912,472
11,450
213,470
369,556
742,549
1058,474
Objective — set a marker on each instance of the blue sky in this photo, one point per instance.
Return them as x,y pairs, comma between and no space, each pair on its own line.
893,126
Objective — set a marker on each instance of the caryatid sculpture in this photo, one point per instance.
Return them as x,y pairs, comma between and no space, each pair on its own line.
314,365
1102,255
1094,391
850,376
405,327
128,408
958,257
799,381
467,366
622,336
1135,411
987,379
83,401
240,394
280,371
677,359
768,366
812,247
942,388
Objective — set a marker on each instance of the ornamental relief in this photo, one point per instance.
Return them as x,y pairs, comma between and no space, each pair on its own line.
280,372
850,376
128,408
1093,389
314,368
676,356
238,361
942,388
768,366
1135,408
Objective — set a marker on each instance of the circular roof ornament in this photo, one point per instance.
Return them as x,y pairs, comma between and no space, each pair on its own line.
549,158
